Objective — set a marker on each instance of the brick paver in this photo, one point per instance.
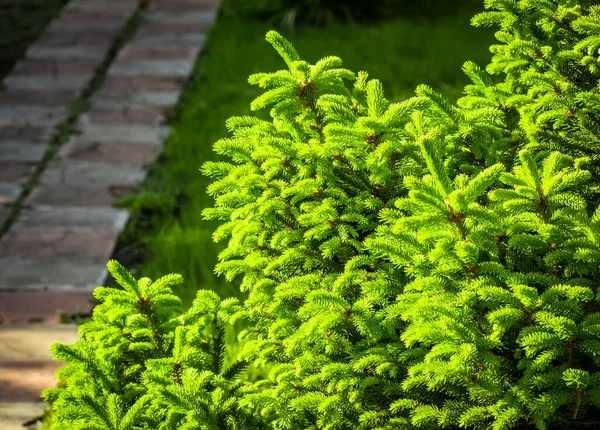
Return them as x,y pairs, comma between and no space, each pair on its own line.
22,151
17,173
115,152
14,414
54,254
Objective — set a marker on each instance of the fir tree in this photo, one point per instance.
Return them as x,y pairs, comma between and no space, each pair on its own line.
143,363
408,265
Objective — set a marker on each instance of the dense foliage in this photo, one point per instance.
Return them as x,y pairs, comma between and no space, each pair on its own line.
408,265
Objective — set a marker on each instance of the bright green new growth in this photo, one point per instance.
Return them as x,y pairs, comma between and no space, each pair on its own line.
408,265
143,363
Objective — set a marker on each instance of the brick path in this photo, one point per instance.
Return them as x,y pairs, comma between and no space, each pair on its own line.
55,252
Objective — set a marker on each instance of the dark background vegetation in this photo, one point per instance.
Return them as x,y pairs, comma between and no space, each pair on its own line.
21,23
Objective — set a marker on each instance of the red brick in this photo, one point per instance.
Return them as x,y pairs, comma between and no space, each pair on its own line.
53,245
41,67
24,381
126,153
139,53
35,97
148,116
15,172
142,83
26,306
25,133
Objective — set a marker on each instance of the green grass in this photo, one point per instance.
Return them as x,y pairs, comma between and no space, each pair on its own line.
21,23
170,234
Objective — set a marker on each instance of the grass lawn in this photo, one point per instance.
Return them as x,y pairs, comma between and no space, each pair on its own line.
402,53
21,23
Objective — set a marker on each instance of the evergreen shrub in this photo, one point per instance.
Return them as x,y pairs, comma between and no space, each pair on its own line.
412,265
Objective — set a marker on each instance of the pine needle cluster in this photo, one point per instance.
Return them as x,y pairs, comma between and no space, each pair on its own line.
412,265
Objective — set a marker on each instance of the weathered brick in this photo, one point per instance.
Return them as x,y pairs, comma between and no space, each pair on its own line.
90,15
190,17
142,116
17,173
108,27
128,153
112,99
49,116
172,68
22,151
132,53
91,246
40,275
44,67
24,381
147,134
74,219
75,195
122,6
26,342
24,133
168,28
143,83
48,82
9,192
10,97
64,40
82,173
193,39
185,6
83,52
